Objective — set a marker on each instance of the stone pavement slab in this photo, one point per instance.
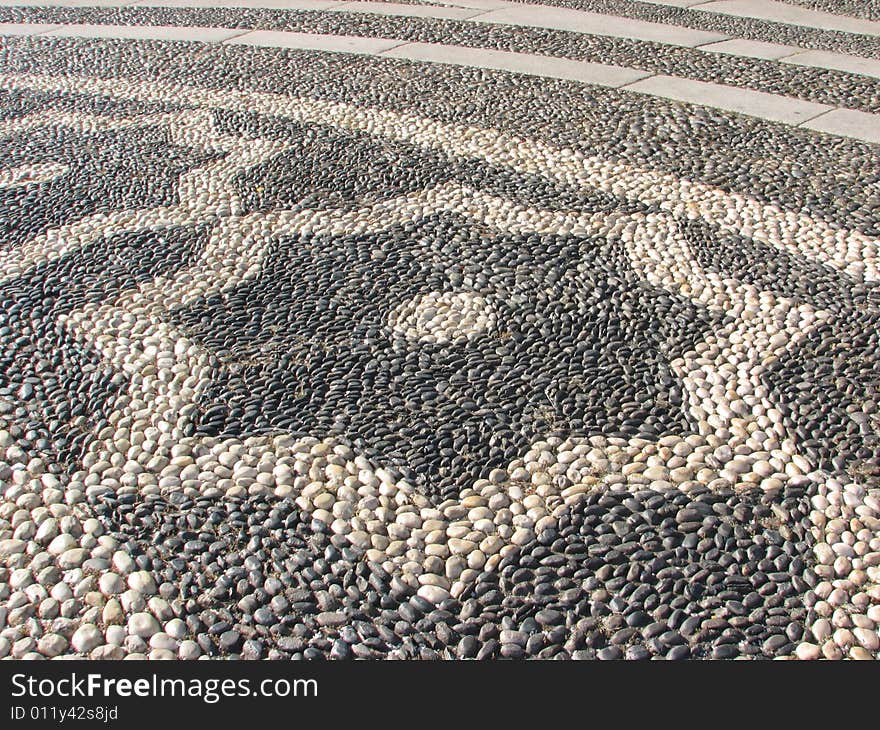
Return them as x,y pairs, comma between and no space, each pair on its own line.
262,4
751,49
314,42
25,28
837,61
409,10
146,32
560,68
597,24
791,14
848,123
743,101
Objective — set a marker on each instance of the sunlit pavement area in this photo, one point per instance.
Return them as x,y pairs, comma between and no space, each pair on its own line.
480,329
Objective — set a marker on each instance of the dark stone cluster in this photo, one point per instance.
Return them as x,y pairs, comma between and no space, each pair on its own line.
635,575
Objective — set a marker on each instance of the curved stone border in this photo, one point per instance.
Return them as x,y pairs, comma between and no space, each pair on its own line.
771,107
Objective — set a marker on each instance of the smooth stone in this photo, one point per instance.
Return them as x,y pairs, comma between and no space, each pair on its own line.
143,625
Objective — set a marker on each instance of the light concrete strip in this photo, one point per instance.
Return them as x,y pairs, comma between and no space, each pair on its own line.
253,4
848,123
546,66
25,28
475,4
314,42
753,49
441,12
837,61
578,21
778,12
743,101
459,9
145,32
409,11
676,3
64,3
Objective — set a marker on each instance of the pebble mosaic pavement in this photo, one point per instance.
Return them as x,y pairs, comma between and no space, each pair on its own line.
311,355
